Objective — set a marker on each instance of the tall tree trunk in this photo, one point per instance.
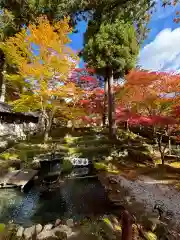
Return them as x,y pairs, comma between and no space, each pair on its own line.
2,68
169,143
111,106
105,120
127,126
159,140
48,125
3,92
41,123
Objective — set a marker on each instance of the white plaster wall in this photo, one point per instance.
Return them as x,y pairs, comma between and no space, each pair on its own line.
17,130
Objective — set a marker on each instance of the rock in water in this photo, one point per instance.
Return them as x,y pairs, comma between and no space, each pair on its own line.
20,232
48,227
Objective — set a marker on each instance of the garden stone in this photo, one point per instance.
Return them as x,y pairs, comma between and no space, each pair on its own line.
47,235
35,164
70,223
3,144
48,227
113,180
20,231
38,228
109,158
57,223
28,232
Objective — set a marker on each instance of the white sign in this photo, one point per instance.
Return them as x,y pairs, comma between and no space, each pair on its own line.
80,161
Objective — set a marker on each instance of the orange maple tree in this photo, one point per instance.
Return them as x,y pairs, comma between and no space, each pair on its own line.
44,61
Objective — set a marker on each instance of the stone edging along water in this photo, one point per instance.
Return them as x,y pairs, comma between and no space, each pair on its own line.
53,231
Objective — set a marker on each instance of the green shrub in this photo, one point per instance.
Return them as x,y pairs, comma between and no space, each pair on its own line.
8,156
88,142
2,227
139,156
100,166
9,232
69,139
67,166
126,134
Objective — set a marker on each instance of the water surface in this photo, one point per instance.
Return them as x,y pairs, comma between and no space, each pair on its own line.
75,198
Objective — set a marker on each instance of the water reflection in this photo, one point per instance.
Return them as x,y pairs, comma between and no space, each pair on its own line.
72,199
79,172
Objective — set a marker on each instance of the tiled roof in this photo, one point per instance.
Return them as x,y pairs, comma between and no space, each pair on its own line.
6,108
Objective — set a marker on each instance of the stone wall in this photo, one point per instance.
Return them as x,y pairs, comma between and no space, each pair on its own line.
55,231
16,130
10,133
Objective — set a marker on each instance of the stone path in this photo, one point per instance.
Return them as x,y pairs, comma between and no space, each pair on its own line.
148,192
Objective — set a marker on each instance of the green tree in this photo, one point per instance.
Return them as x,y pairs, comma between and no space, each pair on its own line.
7,27
23,12
99,10
113,51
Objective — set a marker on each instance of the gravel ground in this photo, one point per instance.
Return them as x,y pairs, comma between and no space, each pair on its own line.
150,191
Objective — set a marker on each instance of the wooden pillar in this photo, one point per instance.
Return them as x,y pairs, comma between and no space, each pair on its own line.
126,226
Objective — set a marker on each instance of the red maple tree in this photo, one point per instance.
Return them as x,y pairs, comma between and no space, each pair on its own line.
149,100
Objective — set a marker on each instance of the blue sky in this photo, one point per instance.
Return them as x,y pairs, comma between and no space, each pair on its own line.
161,50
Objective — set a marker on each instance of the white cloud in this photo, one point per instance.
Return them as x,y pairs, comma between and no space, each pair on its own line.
163,53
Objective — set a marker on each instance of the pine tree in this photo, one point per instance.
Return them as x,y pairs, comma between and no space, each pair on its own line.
113,50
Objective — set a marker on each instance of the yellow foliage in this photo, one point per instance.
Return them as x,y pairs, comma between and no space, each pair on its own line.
44,63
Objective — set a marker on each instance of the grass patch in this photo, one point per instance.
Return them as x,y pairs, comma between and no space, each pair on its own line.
8,156
91,142
71,139
90,152
157,161
109,167
25,152
150,236
107,221
2,227
114,225
141,165
174,164
100,166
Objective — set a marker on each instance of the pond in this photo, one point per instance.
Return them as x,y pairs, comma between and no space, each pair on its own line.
75,198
